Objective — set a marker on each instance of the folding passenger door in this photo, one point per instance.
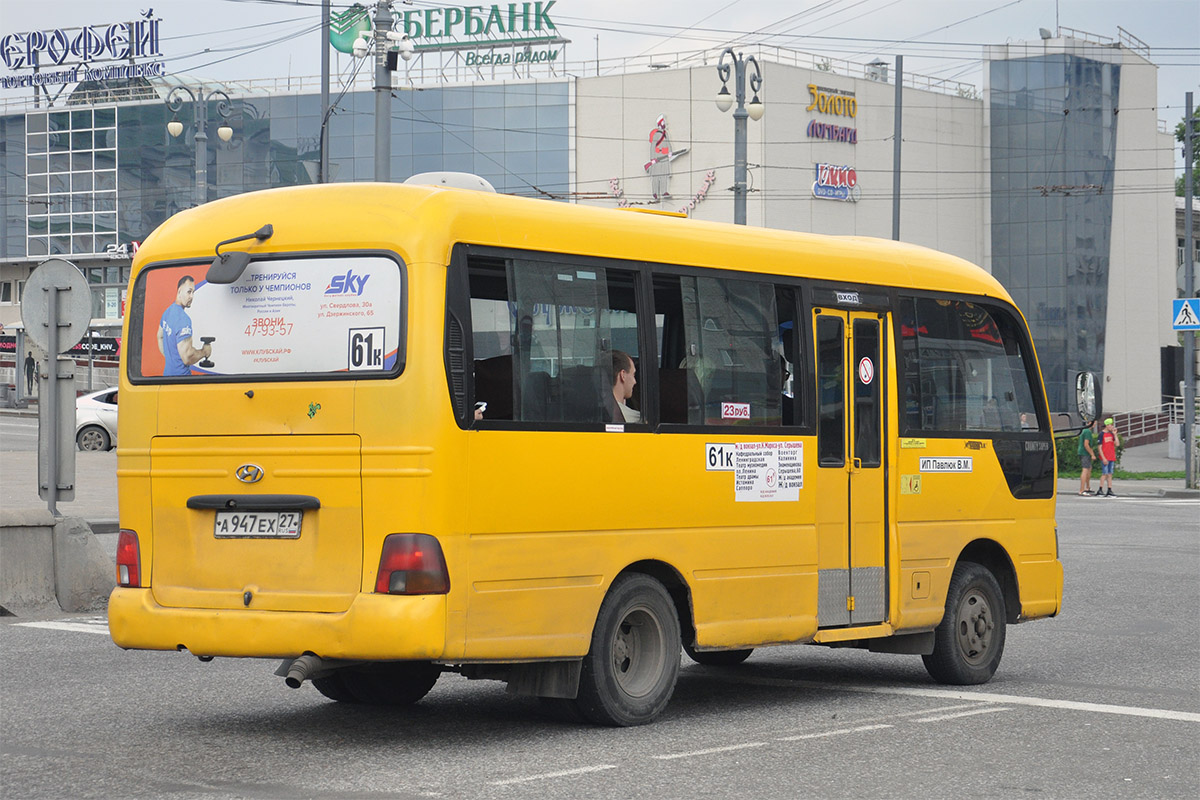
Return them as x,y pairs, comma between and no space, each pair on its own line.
851,492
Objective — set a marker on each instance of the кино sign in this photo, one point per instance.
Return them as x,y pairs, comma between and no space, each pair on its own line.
836,183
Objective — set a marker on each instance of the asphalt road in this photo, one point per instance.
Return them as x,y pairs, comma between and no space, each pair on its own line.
1103,701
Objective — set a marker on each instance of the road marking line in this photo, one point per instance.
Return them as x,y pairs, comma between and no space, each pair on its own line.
710,751
979,697
929,711
78,627
563,774
859,729
942,717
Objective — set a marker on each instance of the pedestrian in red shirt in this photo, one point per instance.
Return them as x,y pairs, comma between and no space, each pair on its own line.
1109,440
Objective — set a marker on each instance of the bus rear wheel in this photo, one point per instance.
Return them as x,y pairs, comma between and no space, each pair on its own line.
628,675
395,683
969,640
717,658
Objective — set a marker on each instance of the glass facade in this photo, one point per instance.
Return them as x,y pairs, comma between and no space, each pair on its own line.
1053,145
100,176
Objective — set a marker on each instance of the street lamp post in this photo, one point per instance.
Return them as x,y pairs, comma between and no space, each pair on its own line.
754,110
383,94
383,40
200,101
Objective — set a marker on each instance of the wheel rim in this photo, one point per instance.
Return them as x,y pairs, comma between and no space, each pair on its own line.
974,628
91,439
638,654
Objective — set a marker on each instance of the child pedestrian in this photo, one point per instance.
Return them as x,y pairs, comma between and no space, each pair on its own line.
1087,455
1109,441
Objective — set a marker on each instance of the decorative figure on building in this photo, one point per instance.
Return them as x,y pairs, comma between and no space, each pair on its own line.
659,165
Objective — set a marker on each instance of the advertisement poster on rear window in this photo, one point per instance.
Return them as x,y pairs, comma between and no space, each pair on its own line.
282,316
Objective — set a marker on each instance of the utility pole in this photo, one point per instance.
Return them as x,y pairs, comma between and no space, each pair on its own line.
383,93
1189,291
897,128
323,167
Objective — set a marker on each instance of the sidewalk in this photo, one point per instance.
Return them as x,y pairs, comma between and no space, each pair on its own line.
1144,458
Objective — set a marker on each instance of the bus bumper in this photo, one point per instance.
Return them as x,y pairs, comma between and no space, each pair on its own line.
375,627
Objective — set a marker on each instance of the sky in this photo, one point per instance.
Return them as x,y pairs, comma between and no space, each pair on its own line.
239,39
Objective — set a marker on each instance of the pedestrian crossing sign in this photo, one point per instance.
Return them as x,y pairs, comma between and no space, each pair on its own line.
1185,314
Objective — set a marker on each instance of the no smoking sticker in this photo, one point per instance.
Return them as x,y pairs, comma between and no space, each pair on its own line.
866,371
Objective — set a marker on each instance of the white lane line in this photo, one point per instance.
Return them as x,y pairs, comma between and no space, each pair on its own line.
546,775
710,750
979,697
78,627
942,717
859,729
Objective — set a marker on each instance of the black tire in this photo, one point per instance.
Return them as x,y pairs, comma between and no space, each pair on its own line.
333,687
628,675
93,438
393,683
969,640
717,658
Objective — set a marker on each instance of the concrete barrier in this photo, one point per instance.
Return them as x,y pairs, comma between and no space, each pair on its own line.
47,561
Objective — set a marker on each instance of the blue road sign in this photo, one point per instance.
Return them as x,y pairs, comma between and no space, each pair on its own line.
1185,314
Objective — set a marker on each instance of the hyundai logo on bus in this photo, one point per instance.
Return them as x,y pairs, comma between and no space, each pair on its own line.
836,183
249,473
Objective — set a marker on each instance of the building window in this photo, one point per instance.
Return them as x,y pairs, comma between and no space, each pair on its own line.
71,167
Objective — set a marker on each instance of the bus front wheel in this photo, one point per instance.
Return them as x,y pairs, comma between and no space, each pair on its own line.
969,640
628,675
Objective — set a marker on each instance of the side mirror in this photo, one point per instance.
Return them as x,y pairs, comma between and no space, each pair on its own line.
1085,397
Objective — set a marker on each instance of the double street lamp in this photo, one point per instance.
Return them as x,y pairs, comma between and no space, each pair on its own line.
753,110
200,101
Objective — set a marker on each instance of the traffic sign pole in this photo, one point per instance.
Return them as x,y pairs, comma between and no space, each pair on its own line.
56,310
1189,292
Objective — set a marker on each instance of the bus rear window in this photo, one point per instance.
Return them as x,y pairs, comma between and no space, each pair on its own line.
303,317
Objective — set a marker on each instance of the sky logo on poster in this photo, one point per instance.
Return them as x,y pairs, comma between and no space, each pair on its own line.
347,284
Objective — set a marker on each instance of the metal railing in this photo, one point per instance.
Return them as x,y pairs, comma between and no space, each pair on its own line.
1153,420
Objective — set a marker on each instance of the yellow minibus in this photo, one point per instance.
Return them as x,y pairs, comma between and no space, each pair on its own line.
381,432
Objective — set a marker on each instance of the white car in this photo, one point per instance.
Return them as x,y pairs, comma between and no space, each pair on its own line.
96,420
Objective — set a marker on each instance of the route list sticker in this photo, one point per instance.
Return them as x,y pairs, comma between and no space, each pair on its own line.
768,472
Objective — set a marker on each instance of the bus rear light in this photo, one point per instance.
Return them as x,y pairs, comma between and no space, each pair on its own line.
412,563
129,560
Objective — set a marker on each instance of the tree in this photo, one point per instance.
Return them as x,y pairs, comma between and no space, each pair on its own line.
1192,169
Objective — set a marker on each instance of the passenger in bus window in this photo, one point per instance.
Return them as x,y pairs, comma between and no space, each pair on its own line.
624,379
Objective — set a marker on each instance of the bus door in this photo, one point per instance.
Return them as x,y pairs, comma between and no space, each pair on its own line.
851,495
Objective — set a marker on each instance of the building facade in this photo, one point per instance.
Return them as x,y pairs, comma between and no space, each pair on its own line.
1056,176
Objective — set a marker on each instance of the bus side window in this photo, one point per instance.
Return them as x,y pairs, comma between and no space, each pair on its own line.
543,336
725,333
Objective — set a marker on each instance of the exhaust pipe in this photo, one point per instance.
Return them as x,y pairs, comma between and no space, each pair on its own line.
303,668
308,666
